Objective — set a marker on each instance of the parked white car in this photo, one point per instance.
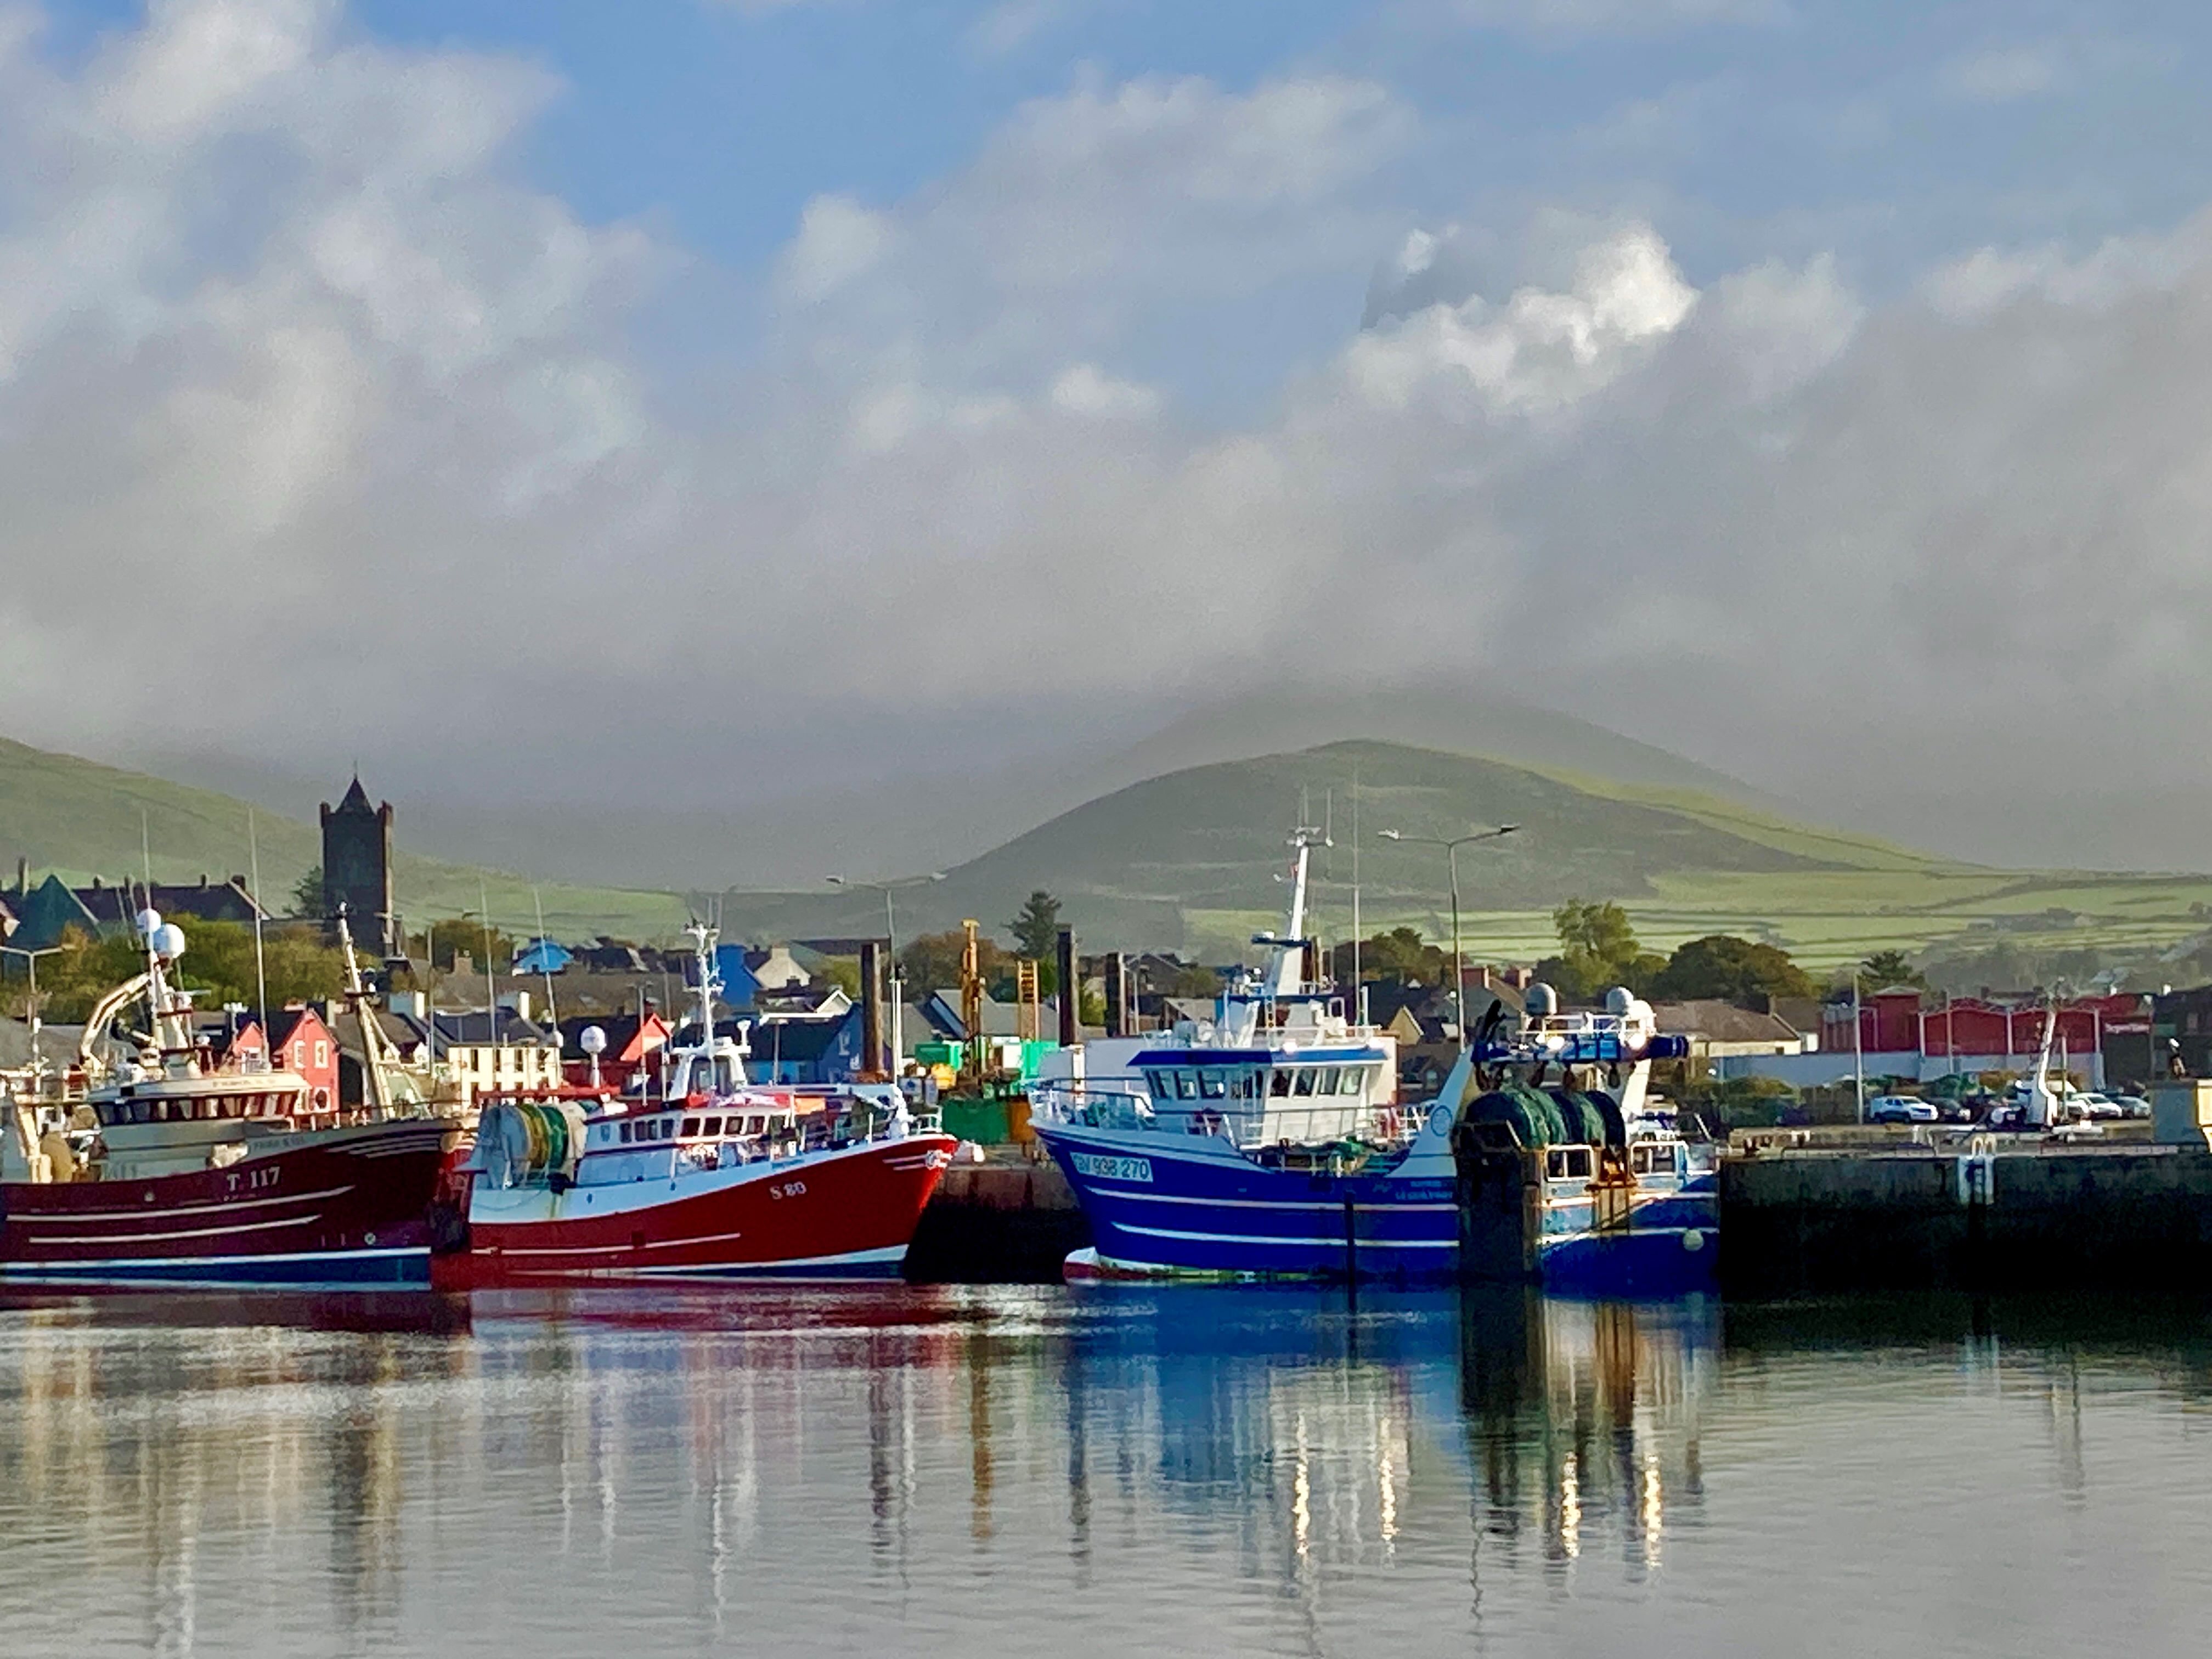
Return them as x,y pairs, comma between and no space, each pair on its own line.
1900,1108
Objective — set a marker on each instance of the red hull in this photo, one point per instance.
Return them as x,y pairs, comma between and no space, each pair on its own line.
354,1208
848,1213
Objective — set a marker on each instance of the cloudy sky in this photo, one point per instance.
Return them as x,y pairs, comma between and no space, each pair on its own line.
696,402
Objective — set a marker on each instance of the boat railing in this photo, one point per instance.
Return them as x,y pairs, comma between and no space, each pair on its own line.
1247,1125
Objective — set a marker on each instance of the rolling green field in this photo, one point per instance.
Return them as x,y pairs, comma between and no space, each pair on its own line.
81,819
1188,861
1824,920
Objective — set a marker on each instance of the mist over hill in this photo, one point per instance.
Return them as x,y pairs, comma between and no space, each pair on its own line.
1191,856
895,822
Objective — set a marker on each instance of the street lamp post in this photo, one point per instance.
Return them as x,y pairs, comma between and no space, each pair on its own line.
31,957
1451,846
890,947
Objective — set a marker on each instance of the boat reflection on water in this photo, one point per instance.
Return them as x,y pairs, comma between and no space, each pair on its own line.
1137,1469
1584,1420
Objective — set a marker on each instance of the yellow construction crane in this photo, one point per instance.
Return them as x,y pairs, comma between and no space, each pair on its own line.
971,1009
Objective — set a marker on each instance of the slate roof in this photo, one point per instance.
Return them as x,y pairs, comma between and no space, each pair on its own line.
1722,1022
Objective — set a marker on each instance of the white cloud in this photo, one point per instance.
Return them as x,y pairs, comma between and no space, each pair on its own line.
838,240
1086,390
1538,350
1578,20
2001,74
358,373
1011,25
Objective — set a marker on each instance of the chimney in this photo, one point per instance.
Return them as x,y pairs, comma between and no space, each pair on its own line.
1117,994
871,1010
1070,991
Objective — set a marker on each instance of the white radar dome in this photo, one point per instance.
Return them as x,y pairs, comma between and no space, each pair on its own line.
148,919
594,1041
167,940
1620,999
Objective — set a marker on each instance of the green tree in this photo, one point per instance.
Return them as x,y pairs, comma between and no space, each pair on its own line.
932,961
1037,930
1399,955
217,967
309,895
1733,970
1886,967
843,972
1598,949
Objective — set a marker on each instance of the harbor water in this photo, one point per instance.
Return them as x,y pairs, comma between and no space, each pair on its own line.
1040,1470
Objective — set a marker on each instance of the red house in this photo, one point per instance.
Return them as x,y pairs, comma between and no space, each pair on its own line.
303,1044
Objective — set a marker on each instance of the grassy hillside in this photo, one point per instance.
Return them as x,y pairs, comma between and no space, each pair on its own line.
84,819
1189,858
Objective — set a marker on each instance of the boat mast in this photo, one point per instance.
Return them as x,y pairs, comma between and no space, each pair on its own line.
372,1034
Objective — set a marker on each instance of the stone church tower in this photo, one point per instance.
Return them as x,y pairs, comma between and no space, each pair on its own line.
357,869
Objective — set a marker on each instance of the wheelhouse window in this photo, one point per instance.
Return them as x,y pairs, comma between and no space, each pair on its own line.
690,1128
1156,1084
1327,1084
1279,1085
1305,1083
1186,1086
1355,1079
1213,1084
712,1126
1569,1163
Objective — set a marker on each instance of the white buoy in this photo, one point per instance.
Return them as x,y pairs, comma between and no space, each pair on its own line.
1693,1241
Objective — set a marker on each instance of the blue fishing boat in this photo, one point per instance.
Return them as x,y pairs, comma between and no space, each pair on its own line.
1269,1143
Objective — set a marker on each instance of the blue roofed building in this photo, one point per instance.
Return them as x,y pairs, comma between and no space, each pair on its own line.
542,957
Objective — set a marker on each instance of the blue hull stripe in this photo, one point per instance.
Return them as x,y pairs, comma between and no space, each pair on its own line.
1245,1220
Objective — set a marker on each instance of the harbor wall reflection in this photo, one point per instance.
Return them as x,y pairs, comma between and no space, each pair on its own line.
298,1477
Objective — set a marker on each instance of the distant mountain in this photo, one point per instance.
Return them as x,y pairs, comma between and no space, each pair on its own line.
84,819
1189,856
953,814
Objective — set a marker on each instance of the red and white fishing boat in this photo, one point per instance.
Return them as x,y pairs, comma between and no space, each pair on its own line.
169,1169
712,1178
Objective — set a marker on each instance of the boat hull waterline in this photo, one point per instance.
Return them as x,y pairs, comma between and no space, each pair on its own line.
351,1207
1157,1213
843,1213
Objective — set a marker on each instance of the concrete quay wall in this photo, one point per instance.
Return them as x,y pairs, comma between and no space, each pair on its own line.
1801,1223
1000,1223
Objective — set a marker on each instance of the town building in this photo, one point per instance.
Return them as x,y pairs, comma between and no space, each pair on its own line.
46,912
1904,1031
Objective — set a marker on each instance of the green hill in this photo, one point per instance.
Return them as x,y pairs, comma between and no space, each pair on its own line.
84,819
1187,860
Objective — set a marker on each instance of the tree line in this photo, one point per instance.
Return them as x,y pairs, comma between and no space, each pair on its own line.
217,967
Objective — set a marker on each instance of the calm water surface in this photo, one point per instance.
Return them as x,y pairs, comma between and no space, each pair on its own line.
1042,1471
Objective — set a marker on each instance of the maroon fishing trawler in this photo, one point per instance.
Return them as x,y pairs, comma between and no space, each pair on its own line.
167,1169
712,1178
